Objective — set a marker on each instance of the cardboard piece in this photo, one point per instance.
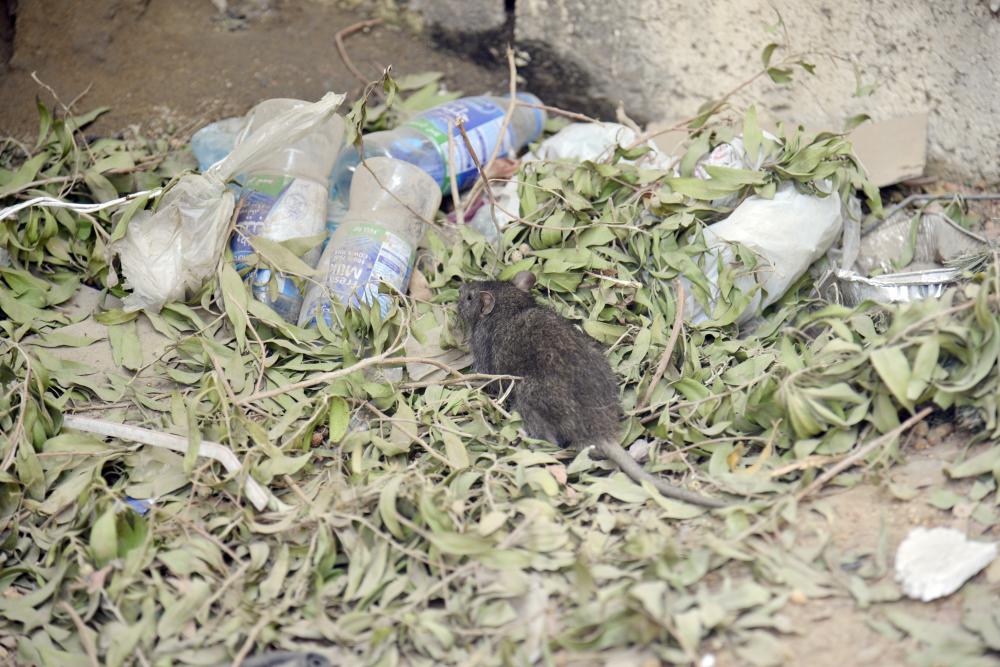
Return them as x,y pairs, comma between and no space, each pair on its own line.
894,150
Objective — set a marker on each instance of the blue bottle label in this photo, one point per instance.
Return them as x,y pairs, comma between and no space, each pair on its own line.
481,118
277,207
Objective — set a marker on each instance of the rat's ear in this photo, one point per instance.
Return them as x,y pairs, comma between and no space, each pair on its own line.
524,281
486,303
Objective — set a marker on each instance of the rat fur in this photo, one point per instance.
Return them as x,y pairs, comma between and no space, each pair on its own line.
567,393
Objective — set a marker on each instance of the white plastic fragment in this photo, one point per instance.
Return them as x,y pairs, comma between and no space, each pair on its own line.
176,249
934,563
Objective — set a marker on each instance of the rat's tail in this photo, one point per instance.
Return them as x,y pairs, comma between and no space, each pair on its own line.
637,473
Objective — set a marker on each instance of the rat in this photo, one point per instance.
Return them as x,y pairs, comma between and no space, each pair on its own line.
567,394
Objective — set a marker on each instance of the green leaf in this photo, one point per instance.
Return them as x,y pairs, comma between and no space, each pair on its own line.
457,544
855,121
25,174
455,451
339,419
894,369
125,346
779,75
234,295
280,258
177,614
387,507
104,537
765,55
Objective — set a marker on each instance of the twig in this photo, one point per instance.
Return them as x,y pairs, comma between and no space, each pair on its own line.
456,196
862,452
483,181
325,378
814,461
339,40
925,197
682,125
971,303
665,359
81,629
251,638
559,112
257,494
489,194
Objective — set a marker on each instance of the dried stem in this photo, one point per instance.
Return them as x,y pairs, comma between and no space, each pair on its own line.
863,451
665,359
82,630
339,40
325,378
489,194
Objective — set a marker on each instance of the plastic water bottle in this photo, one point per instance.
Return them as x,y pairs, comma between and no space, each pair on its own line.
215,141
423,140
376,240
284,196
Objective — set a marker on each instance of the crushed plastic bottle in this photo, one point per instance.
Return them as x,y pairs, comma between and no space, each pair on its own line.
284,196
375,241
423,140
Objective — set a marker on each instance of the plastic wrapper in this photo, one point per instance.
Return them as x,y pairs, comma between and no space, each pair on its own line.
170,252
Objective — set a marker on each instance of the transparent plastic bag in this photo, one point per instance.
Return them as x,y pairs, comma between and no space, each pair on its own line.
169,253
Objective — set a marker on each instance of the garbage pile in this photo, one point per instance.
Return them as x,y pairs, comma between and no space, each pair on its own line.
237,412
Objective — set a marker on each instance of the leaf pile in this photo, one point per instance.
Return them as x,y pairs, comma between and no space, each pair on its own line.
423,528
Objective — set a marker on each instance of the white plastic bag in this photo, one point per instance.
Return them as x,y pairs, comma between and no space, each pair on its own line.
787,233
167,254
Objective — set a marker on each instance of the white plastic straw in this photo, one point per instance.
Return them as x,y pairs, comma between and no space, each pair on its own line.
257,494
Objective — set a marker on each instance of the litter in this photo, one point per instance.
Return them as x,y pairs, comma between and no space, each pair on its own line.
376,241
929,244
215,141
934,563
284,197
789,232
260,497
776,230
431,140
176,249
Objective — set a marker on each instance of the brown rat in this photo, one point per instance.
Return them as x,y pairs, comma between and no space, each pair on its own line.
567,393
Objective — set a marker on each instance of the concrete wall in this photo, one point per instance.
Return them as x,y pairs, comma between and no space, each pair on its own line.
663,58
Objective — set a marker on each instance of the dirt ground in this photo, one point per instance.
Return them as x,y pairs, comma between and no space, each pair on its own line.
170,66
